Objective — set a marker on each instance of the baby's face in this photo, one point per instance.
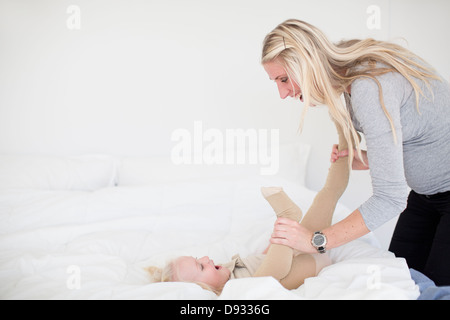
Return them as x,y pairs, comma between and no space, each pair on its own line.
190,269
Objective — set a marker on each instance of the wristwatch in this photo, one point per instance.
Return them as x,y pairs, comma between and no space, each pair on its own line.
319,241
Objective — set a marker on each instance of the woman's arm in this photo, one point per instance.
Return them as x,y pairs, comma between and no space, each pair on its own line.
349,229
291,233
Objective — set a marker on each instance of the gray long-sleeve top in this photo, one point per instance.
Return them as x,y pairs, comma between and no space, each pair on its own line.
420,159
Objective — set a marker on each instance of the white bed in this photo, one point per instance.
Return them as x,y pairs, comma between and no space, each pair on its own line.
85,228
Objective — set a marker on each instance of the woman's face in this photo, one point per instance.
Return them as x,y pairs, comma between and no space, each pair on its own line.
190,269
286,87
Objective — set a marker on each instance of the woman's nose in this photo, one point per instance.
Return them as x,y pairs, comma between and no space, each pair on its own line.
284,92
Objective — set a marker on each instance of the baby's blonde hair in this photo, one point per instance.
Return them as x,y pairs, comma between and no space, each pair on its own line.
169,274
165,274
325,70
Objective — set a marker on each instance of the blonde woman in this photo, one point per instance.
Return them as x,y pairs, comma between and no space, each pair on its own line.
402,107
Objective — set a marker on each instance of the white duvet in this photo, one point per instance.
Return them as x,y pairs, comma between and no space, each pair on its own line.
95,244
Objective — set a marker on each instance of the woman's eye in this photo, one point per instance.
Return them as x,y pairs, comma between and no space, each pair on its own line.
284,80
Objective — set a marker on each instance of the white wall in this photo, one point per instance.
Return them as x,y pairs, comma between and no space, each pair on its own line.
128,73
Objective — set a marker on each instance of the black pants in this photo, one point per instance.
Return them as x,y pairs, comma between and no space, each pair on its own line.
422,236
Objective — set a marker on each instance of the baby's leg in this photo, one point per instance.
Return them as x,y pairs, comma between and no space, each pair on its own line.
283,206
320,214
278,260
319,217
304,266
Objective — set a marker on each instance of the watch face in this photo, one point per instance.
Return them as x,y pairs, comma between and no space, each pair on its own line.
319,240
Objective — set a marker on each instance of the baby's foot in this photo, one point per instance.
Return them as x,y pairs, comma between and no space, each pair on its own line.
283,206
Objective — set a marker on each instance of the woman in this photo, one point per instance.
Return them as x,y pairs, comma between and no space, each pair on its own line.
403,108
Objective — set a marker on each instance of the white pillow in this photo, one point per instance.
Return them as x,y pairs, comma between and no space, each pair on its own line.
293,162
87,173
293,158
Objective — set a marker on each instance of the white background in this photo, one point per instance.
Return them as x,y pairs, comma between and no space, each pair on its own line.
135,71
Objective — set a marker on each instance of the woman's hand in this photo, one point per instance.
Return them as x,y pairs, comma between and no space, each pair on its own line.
357,162
290,233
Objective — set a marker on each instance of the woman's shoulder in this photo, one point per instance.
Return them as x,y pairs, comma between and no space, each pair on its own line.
388,79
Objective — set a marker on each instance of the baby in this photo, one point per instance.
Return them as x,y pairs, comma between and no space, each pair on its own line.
279,261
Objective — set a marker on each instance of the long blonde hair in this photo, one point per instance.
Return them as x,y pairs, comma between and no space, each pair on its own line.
325,70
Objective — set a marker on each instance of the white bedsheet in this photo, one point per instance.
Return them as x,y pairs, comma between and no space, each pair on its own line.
95,244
